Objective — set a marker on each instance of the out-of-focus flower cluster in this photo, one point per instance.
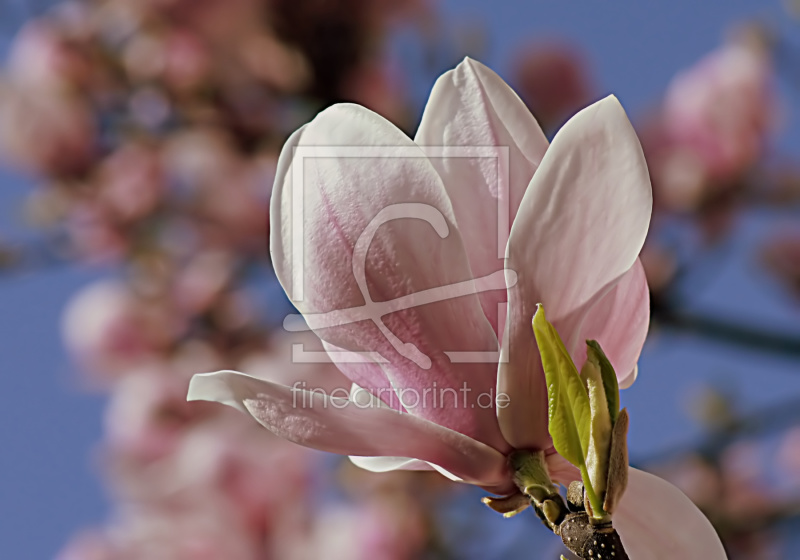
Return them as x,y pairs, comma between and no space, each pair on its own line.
154,128
745,476
714,124
706,144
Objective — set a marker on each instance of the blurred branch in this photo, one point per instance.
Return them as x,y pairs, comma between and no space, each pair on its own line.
727,331
764,420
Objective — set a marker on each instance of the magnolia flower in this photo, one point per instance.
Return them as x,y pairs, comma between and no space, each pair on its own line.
579,211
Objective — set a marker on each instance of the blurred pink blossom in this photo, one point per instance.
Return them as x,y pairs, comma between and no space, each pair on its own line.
147,414
196,531
376,87
42,56
721,110
187,62
378,529
130,182
200,283
45,131
553,80
94,234
275,63
263,476
228,193
109,331
788,456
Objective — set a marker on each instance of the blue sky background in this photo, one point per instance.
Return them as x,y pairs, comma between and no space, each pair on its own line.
48,427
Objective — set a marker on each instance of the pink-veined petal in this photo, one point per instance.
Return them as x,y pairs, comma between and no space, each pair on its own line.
364,373
579,228
498,145
336,424
382,265
656,521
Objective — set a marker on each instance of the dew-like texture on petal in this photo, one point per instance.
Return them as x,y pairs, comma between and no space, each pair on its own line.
580,227
656,521
338,425
619,322
472,109
420,250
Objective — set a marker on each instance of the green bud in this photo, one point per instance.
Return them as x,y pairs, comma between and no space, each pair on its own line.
596,355
569,410
599,429
617,463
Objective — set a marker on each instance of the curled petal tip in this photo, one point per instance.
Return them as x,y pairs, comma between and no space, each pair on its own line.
215,387
199,387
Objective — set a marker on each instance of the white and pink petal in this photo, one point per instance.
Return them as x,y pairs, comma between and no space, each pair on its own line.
339,425
364,241
656,521
489,147
579,229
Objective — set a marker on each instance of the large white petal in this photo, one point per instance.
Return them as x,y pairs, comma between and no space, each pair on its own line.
656,521
580,227
498,146
355,172
336,424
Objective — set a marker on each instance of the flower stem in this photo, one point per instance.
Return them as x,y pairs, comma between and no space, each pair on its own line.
594,499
